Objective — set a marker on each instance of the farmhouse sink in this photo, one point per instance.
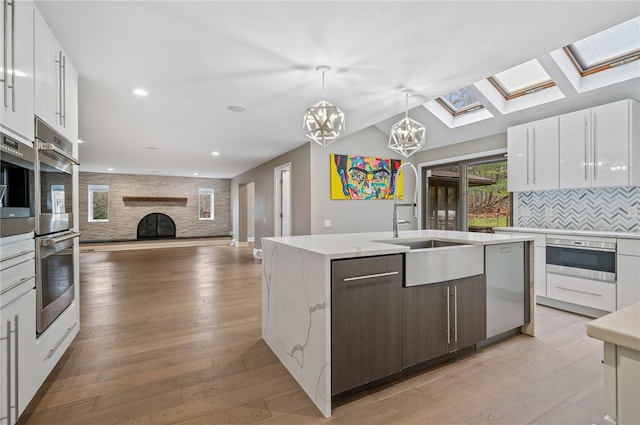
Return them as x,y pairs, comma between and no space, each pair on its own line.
432,261
423,244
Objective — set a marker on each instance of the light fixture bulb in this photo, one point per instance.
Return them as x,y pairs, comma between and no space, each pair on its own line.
407,135
141,92
323,122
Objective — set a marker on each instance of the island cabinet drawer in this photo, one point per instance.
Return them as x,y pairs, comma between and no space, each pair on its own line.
584,292
366,320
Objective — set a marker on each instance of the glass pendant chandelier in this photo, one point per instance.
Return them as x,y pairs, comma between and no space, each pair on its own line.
323,122
407,135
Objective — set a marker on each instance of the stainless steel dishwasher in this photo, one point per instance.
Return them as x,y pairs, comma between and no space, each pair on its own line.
505,268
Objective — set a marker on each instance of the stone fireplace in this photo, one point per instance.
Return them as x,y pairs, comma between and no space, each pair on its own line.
156,226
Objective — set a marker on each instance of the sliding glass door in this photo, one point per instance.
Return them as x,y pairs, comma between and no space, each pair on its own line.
467,195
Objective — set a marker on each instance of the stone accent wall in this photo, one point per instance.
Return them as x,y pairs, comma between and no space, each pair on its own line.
123,219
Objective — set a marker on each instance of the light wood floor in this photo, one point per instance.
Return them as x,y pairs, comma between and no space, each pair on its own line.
172,336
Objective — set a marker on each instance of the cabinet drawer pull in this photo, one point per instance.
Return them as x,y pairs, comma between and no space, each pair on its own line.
11,257
455,312
577,290
448,317
370,276
57,346
18,283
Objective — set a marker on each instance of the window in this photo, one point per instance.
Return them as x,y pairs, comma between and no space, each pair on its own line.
470,195
205,204
98,203
526,78
607,49
460,101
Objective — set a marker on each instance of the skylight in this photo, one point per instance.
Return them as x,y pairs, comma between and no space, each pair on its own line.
612,47
522,79
460,101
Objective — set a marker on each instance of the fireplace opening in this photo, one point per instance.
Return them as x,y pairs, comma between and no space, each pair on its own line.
156,226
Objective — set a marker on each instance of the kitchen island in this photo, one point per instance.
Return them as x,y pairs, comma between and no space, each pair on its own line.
297,295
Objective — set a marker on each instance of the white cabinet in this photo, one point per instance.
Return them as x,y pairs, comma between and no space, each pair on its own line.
600,146
628,271
532,151
56,83
16,70
20,380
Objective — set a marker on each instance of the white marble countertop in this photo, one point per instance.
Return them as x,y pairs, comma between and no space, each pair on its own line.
345,245
568,232
621,327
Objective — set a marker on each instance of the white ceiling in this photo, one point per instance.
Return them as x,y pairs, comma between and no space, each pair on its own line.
196,58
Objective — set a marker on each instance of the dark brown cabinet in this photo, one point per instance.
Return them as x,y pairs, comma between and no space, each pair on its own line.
441,318
366,320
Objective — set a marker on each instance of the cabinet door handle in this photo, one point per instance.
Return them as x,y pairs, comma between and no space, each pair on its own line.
16,348
455,312
448,317
5,72
586,148
8,338
533,155
13,54
59,106
64,91
527,156
595,147
369,276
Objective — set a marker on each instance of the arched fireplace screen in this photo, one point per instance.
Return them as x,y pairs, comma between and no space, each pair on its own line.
156,226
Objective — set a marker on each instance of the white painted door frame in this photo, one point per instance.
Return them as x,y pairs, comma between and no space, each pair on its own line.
282,200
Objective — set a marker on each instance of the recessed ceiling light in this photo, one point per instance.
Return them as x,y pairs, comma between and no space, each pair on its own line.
237,108
109,169
215,153
195,174
80,141
141,92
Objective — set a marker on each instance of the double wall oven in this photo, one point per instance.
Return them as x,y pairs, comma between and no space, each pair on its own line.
55,258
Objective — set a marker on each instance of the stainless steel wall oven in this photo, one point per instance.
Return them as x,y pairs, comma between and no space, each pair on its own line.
55,283
17,187
55,259
54,180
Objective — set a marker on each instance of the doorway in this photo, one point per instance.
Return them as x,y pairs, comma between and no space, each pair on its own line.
282,200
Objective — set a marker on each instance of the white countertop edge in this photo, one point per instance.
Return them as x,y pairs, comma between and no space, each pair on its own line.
621,327
602,233
348,245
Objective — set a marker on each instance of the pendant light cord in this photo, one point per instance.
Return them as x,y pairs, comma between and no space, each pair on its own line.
322,85
406,105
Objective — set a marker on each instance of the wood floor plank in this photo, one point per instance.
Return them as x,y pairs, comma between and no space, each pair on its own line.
173,336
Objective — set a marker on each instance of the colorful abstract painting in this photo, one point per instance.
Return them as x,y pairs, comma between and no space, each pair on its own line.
364,177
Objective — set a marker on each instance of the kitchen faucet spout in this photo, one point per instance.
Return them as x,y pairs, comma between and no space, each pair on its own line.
414,205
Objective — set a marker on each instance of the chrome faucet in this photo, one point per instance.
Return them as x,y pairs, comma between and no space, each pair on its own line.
396,220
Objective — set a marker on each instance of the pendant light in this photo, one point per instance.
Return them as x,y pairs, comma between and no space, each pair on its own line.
407,135
323,122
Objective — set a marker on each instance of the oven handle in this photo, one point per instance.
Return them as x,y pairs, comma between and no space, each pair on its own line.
583,248
43,146
60,239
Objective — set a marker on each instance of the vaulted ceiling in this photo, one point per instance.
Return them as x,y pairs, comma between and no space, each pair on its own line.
197,58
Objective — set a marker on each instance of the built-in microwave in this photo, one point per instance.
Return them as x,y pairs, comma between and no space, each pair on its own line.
17,187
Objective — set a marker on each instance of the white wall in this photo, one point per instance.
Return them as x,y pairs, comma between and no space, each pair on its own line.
354,215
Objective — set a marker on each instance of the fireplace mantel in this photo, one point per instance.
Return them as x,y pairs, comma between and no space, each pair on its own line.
154,200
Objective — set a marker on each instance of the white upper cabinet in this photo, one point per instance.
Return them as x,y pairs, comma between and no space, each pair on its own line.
56,83
600,146
532,151
16,70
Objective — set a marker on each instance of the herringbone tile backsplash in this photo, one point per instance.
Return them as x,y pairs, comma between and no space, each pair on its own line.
609,208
